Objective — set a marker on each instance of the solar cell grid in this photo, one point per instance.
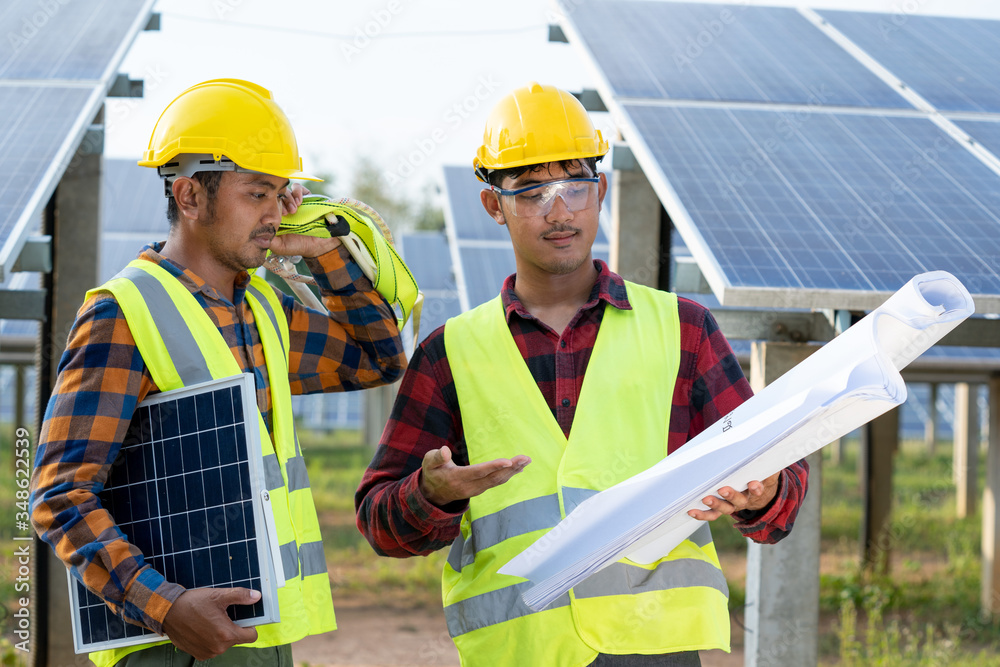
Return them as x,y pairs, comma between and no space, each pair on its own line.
827,201
671,50
951,62
65,40
37,123
185,491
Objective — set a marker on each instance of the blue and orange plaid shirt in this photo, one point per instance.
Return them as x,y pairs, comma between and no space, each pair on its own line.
102,377
399,521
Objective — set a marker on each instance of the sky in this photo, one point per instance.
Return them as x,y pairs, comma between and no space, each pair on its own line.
407,84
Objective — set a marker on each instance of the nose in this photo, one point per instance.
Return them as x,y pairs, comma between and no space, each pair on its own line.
273,213
560,210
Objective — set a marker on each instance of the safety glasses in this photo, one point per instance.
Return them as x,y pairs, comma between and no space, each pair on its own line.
577,194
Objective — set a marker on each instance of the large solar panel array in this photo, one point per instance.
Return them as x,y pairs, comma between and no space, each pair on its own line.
797,174
481,248
842,202
657,50
187,489
951,62
54,77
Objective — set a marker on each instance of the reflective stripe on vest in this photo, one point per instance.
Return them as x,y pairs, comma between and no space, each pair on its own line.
620,428
193,350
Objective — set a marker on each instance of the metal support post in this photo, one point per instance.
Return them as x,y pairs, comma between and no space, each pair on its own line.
879,442
782,601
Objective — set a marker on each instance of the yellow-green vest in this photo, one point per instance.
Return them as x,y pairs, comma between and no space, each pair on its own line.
620,428
181,346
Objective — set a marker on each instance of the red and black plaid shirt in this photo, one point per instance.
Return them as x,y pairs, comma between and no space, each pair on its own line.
102,377
399,521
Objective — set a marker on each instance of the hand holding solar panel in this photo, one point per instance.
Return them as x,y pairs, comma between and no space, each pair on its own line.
197,622
187,489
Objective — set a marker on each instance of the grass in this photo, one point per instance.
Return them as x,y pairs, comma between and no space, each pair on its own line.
925,612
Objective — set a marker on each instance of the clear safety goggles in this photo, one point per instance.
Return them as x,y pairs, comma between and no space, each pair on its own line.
577,194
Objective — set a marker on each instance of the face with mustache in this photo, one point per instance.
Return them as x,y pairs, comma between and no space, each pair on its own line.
559,242
242,219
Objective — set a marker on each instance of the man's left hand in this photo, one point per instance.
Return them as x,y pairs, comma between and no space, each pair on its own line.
757,496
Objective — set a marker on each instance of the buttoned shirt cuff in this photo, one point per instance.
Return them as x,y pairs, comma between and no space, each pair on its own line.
752,521
148,599
425,512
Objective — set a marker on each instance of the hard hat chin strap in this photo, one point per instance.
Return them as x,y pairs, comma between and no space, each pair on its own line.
189,164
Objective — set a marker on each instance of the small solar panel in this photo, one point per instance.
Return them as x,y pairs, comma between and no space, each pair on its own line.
188,490
675,50
950,62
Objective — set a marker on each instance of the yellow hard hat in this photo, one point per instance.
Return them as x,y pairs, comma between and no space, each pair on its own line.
534,125
226,120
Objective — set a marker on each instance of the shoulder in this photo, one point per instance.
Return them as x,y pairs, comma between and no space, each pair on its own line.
694,314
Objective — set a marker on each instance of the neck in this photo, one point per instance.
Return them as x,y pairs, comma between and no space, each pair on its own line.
195,258
555,298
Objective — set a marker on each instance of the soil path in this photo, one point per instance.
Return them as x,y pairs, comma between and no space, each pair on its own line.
378,636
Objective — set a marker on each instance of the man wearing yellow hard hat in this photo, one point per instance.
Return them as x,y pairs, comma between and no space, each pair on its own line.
187,311
568,382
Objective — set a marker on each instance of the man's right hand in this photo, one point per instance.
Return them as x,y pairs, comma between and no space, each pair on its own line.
443,482
197,622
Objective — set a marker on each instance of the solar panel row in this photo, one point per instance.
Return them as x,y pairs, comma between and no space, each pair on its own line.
785,194
61,60
829,201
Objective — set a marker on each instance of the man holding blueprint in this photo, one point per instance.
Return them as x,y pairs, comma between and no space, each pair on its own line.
569,382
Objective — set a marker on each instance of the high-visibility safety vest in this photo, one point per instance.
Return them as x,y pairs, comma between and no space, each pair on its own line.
678,603
181,346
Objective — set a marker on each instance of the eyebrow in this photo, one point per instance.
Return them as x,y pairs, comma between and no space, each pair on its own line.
263,182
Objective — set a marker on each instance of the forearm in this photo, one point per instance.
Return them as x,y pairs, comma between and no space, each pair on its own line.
355,345
398,521
99,383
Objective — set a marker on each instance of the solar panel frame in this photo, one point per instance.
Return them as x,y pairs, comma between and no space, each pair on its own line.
219,467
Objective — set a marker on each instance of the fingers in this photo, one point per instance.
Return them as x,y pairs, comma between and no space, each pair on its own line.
245,636
443,482
757,496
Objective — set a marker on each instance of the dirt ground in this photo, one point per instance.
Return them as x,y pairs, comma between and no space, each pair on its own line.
379,636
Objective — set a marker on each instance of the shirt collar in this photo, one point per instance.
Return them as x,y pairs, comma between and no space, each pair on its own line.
609,287
192,281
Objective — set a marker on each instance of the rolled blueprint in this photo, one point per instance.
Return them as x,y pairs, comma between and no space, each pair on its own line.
842,386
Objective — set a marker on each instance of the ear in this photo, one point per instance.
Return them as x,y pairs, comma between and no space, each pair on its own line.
186,196
491,203
602,187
